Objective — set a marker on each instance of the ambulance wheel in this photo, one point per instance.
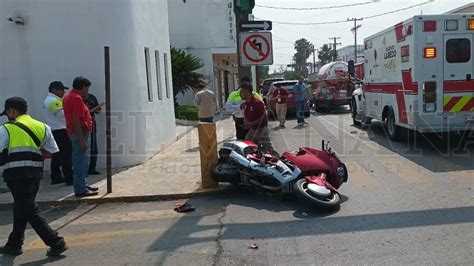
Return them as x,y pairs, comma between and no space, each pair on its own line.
354,112
394,132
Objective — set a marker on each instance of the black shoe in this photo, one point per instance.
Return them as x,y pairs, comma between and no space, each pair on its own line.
88,193
56,251
93,188
93,172
57,181
68,184
11,251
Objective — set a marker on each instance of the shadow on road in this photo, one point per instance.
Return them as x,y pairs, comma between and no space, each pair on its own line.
187,230
435,152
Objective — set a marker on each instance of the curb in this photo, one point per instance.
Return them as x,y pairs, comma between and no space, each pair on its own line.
127,199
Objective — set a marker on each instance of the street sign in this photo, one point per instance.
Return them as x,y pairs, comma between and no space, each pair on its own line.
256,48
243,6
255,25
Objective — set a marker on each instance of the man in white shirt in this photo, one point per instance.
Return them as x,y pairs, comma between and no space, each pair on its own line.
54,114
206,102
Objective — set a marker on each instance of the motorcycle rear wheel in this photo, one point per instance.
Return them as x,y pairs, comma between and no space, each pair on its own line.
226,172
327,204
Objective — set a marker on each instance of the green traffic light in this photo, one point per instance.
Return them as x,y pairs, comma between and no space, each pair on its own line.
244,6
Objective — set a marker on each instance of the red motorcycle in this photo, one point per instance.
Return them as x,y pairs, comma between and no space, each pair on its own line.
314,175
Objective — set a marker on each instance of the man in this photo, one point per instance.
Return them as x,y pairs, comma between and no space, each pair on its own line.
280,96
234,103
301,99
54,113
255,116
79,127
21,140
206,102
95,108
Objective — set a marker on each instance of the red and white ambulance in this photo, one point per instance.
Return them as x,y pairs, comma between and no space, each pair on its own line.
419,75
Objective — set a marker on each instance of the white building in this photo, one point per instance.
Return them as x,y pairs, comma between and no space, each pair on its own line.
206,29
346,53
61,39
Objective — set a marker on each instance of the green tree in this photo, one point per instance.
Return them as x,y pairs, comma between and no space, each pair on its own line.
263,73
325,54
184,70
303,48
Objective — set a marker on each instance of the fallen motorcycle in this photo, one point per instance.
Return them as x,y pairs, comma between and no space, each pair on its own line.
313,175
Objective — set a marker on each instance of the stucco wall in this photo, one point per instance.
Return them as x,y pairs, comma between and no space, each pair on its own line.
201,27
65,38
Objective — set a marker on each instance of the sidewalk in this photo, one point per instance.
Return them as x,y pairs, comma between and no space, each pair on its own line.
171,174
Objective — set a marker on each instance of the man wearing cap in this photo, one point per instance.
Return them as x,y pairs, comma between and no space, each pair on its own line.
54,113
79,128
21,140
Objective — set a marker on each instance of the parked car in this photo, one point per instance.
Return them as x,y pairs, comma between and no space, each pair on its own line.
291,101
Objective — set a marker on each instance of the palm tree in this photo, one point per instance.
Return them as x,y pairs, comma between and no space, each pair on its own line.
184,67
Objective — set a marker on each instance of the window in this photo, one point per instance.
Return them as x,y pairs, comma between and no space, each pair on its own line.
158,75
458,50
148,74
167,86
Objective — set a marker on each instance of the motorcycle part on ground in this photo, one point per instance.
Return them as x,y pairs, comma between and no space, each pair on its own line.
226,172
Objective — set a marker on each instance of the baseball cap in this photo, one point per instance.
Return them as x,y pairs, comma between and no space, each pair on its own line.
57,85
16,103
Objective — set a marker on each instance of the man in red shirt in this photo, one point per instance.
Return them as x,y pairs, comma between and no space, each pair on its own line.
280,95
79,127
255,117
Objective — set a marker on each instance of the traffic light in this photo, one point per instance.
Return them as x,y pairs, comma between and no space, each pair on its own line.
243,6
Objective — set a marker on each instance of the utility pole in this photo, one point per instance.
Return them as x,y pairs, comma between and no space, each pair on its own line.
314,60
335,47
354,29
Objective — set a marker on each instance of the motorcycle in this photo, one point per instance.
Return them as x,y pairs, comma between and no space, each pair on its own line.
313,175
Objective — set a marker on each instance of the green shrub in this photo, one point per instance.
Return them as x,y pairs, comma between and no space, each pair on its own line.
187,112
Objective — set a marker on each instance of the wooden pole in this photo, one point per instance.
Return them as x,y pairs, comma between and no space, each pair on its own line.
208,153
108,130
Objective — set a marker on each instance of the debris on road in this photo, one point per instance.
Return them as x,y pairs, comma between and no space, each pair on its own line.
254,246
183,207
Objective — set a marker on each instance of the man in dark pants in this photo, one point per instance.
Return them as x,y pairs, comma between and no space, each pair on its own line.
54,114
95,108
21,141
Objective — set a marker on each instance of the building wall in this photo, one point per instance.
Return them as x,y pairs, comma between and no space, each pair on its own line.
62,39
202,28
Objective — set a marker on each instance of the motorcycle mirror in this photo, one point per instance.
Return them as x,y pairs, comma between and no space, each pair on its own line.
322,144
327,145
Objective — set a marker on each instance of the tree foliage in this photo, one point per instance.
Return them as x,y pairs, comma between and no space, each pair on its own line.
263,73
325,54
184,70
303,48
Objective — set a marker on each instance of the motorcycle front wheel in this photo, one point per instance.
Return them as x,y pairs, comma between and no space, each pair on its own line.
329,203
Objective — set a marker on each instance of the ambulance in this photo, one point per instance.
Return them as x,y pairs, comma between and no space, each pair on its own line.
419,74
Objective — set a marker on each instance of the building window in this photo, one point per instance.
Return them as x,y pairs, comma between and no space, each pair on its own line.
167,85
158,74
148,74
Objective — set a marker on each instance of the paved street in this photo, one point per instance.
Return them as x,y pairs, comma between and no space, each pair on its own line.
405,204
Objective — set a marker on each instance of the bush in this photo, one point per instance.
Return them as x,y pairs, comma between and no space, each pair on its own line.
187,112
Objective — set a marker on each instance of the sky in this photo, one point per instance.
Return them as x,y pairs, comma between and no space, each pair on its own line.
284,36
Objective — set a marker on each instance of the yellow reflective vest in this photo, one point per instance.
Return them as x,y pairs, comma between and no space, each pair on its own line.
24,157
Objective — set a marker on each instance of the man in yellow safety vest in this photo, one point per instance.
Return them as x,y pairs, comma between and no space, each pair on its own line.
21,141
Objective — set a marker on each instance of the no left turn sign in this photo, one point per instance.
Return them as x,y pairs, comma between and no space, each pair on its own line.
256,48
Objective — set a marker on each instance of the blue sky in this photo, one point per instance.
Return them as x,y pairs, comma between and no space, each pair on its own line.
285,35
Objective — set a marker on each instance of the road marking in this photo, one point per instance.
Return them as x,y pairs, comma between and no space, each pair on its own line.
88,239
359,176
404,169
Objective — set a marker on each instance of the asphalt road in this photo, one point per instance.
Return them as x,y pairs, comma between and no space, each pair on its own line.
406,203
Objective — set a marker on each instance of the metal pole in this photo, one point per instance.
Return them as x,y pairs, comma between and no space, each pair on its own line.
108,130
244,71
314,61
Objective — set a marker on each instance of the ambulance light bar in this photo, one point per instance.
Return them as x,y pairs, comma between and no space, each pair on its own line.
470,24
429,52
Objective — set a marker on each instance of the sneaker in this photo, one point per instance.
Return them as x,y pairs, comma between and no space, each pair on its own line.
11,251
56,251
306,123
88,193
300,124
93,189
282,126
